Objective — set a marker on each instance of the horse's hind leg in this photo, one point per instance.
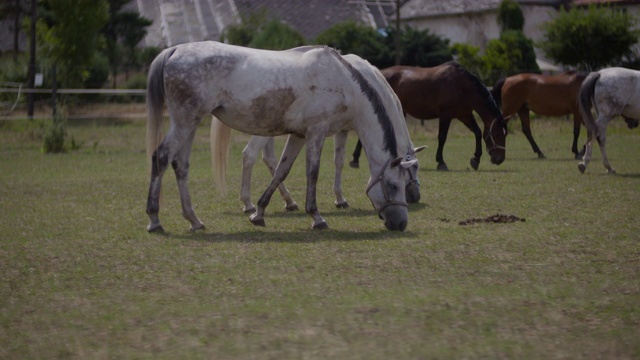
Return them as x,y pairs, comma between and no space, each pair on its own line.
577,122
181,168
443,131
269,158
160,159
526,129
291,151
470,122
602,142
340,140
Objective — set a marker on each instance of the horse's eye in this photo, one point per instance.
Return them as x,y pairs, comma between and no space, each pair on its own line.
393,187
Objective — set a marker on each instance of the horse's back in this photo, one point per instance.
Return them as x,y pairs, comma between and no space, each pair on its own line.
618,91
548,95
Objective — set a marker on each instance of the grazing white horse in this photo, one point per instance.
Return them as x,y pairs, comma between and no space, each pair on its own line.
266,144
308,93
612,92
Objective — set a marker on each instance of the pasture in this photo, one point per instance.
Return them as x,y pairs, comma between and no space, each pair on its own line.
81,277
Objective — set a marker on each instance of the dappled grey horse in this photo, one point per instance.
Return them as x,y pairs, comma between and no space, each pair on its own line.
309,93
611,92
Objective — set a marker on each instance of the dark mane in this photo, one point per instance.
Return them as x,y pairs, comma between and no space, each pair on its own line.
390,143
488,98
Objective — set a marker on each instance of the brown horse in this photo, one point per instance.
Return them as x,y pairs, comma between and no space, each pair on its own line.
446,92
546,95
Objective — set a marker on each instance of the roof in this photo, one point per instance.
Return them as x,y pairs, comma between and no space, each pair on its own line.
434,8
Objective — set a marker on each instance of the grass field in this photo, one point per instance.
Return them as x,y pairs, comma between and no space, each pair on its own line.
81,278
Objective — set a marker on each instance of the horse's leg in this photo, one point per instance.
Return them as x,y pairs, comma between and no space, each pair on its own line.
470,122
443,131
181,169
526,129
355,163
291,151
249,156
577,122
160,159
269,158
315,142
340,141
602,142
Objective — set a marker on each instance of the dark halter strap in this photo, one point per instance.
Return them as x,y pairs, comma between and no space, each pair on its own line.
387,199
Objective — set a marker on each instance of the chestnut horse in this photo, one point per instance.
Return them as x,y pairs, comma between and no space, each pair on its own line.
446,92
546,95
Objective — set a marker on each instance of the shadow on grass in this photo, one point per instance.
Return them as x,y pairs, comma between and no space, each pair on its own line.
307,236
469,170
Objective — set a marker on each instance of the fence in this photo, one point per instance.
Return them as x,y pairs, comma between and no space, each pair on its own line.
105,104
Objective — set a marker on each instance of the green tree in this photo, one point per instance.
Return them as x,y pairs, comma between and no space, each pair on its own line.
276,36
422,48
242,34
354,38
69,36
122,32
590,39
510,16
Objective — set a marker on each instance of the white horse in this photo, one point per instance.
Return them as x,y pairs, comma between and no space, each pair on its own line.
308,93
612,92
266,144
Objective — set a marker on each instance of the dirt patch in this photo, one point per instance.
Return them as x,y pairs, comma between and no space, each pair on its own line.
497,218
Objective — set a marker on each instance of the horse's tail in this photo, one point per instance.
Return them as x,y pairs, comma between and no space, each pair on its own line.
220,138
496,92
585,102
155,101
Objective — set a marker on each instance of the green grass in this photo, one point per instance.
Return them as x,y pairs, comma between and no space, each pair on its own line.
81,278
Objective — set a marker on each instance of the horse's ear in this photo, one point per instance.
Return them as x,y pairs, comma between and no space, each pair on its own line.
408,164
397,161
419,148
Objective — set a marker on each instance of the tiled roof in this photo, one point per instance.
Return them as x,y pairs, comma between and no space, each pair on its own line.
429,8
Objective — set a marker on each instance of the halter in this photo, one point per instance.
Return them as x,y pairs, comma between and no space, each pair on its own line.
387,200
490,137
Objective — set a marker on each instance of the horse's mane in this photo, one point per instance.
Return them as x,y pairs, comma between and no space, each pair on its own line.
390,143
488,98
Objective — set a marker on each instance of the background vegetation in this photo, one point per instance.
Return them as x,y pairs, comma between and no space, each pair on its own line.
81,278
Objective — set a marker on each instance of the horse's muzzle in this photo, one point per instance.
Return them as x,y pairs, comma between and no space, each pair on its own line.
497,159
412,193
395,217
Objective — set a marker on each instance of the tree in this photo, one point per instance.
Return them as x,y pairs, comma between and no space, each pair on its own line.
276,36
354,38
242,34
14,9
70,36
589,39
510,16
423,48
122,32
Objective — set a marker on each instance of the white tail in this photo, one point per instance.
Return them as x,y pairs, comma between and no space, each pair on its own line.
220,138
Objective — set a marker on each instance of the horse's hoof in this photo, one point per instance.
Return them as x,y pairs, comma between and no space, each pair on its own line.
196,227
354,164
155,228
475,163
249,210
582,168
442,167
292,207
541,156
611,171
320,226
258,222
342,205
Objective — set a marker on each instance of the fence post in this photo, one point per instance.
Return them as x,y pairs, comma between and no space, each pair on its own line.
54,90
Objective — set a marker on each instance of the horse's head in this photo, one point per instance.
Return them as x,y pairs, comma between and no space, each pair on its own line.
387,193
412,187
495,136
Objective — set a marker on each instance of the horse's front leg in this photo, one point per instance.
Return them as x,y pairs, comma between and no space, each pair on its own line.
181,168
291,151
588,148
315,142
470,122
523,113
443,131
340,141
269,158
